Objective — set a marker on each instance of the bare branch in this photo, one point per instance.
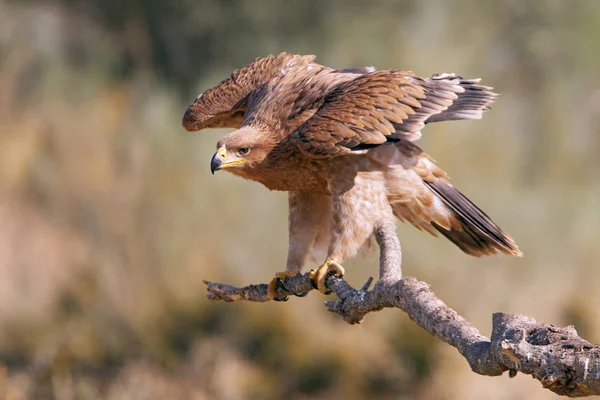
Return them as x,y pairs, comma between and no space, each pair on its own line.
562,361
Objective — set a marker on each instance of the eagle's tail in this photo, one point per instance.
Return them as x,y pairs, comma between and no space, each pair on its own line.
478,234
472,98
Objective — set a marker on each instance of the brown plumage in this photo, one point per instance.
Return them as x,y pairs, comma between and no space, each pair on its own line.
224,105
341,142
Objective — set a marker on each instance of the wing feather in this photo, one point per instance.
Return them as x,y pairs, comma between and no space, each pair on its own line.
224,104
387,106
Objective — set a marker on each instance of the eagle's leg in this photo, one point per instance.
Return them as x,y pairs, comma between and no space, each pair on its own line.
309,213
360,209
390,252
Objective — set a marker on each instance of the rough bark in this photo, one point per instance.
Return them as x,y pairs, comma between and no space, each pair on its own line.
562,361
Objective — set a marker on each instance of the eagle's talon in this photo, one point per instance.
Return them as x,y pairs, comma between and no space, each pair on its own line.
279,283
313,283
318,277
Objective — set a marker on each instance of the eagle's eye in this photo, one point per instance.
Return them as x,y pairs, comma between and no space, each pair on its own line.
244,150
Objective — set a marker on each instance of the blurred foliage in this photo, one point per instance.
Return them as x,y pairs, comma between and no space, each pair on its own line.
110,218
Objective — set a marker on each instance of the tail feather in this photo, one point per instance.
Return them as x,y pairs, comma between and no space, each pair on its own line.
479,235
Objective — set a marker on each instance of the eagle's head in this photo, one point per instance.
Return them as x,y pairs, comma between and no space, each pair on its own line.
242,152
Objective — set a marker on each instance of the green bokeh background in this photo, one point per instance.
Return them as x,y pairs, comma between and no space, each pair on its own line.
110,218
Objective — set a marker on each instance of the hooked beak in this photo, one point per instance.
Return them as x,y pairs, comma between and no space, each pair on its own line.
219,160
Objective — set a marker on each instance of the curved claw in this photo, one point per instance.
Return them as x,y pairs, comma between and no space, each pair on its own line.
278,282
319,276
282,286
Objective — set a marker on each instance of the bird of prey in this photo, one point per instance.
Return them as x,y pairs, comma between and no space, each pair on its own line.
341,142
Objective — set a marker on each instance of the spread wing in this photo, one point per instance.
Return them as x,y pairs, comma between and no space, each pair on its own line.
223,106
387,106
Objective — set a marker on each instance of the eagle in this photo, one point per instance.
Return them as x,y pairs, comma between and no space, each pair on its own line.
341,142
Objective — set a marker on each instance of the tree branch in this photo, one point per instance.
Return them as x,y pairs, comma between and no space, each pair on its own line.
562,361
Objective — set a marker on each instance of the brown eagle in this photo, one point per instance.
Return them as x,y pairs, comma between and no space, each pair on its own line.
341,142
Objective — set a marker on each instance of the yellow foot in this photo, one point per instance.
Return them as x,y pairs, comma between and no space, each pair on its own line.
319,275
279,279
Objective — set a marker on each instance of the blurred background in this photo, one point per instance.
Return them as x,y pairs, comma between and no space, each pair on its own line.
110,218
